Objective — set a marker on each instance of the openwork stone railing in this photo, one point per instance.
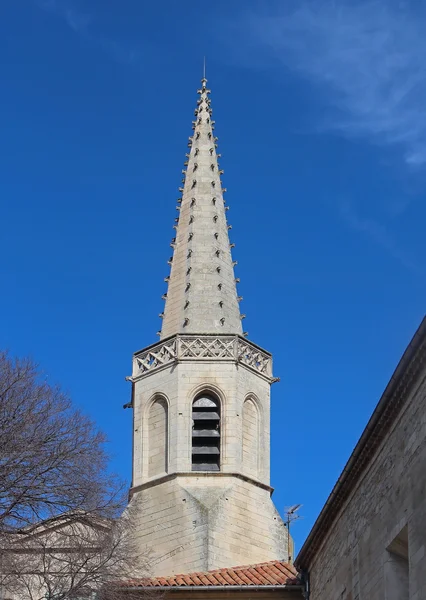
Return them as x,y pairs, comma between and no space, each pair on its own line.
180,348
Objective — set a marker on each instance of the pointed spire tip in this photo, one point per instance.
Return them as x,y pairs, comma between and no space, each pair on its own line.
204,80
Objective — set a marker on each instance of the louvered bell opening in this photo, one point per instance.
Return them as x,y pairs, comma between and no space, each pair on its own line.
205,434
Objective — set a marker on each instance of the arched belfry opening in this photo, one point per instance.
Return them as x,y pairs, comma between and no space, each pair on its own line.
206,433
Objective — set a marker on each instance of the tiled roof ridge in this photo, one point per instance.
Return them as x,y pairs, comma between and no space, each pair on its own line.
270,573
251,566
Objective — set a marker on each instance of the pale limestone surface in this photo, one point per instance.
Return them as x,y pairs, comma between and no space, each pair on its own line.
203,520
157,444
251,437
179,385
198,522
201,295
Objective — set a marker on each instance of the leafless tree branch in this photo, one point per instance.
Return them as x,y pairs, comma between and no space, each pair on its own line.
62,531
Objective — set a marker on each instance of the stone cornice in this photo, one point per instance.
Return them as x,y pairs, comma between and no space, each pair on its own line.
202,348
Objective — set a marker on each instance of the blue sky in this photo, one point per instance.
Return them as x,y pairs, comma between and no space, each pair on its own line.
320,113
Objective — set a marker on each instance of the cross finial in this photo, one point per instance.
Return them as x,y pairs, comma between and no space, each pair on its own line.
204,80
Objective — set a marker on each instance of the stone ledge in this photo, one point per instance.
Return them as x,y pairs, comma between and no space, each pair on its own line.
199,474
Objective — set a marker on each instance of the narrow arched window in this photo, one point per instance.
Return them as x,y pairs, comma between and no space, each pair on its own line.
157,438
250,437
205,433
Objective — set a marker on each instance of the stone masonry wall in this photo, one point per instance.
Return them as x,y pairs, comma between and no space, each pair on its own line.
199,521
353,562
203,522
177,386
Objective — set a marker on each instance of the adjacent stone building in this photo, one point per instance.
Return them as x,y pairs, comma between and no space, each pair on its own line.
369,542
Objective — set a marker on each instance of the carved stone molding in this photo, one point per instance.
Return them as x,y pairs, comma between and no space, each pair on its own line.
206,347
210,348
155,357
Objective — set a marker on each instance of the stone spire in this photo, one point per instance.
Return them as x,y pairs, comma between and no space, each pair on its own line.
201,295
201,399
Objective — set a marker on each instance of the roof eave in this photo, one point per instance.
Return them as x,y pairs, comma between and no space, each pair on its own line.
309,547
212,588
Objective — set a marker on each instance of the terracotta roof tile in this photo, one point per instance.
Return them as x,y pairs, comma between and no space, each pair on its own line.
243,579
221,580
255,576
227,577
236,576
270,573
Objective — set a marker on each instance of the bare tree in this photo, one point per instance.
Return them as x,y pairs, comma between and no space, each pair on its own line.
60,534
67,558
52,457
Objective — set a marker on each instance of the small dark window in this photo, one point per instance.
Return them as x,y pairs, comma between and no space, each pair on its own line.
397,567
205,434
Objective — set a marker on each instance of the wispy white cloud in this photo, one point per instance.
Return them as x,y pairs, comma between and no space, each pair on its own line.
380,235
82,23
77,21
368,56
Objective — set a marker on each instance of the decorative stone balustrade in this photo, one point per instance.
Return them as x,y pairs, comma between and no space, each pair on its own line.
202,348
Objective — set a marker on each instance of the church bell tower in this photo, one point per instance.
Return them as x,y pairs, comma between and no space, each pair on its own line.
201,396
